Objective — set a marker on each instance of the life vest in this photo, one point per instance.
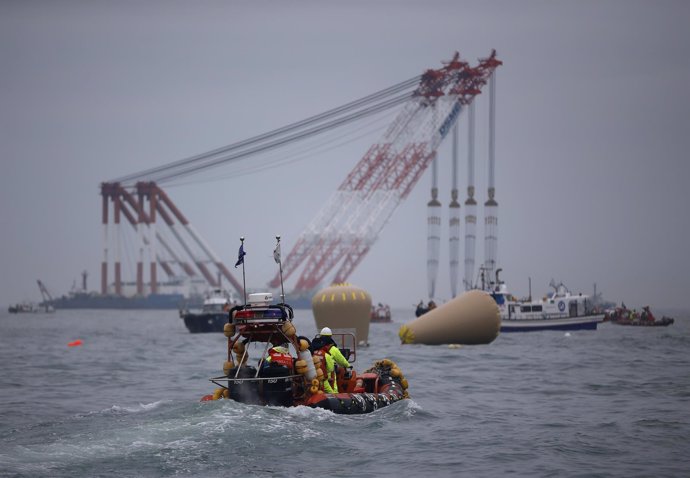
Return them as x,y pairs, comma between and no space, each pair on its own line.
328,366
323,352
280,356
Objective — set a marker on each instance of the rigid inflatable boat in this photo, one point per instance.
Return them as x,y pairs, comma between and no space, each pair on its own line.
298,377
624,316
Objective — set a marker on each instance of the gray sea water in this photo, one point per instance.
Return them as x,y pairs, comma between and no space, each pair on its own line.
611,402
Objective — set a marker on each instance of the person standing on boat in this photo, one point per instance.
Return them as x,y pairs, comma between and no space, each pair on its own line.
324,345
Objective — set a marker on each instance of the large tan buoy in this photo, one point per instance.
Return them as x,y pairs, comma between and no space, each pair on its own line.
471,318
343,306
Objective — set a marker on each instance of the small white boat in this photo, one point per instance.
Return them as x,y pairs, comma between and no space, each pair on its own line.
559,310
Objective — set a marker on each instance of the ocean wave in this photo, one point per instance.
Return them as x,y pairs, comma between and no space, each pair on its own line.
142,407
611,400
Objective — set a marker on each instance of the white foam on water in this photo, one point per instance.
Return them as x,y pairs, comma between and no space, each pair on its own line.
318,414
142,407
411,405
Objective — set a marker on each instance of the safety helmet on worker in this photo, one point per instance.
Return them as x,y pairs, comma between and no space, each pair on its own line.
326,331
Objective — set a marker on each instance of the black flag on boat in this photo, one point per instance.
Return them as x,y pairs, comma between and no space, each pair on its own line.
276,253
240,256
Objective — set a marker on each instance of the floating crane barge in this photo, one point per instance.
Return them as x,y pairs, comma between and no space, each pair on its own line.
343,231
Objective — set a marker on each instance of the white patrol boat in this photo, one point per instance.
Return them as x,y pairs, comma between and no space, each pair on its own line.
559,310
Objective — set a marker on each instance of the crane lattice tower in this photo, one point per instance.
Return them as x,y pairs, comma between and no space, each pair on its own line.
346,227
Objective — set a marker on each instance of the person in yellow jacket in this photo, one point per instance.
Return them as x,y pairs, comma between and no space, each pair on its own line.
323,344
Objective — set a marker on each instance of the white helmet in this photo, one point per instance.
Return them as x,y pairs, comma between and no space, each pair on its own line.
326,331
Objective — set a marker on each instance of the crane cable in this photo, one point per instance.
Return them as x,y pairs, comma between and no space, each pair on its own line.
281,158
163,177
188,163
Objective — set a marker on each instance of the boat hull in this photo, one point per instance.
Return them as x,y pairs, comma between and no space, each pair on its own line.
277,386
565,323
205,323
381,320
357,403
95,301
665,322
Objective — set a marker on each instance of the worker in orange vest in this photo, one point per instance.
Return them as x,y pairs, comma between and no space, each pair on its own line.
324,345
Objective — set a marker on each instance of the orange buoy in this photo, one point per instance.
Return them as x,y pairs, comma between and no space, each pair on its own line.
303,345
229,330
74,343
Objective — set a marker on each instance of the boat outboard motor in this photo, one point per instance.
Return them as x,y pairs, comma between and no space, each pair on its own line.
278,391
244,391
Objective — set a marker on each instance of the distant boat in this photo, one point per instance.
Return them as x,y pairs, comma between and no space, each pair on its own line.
559,310
624,316
422,309
30,308
380,314
213,314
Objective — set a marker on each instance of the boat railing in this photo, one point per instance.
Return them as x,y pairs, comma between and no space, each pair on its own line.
240,380
298,382
347,344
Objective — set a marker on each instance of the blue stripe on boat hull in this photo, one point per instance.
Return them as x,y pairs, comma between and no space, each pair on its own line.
534,328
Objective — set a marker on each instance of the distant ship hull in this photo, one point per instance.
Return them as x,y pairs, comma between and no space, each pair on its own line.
95,301
201,323
213,314
568,323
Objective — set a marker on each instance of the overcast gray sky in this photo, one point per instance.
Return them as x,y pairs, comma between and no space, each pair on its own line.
592,135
